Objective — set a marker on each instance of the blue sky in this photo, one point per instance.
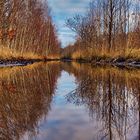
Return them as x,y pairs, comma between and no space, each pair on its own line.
62,10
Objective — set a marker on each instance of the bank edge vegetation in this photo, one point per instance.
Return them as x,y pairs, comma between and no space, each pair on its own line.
109,30
26,30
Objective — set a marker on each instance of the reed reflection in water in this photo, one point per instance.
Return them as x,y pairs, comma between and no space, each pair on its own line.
25,96
69,101
112,97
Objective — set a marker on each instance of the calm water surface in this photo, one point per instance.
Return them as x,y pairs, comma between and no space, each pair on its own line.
69,101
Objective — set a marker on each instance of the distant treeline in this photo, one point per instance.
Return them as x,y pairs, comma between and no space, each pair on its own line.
26,28
109,29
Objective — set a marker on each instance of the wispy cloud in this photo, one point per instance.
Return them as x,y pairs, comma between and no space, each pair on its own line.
62,10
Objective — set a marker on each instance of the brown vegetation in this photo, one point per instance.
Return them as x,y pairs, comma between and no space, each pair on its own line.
26,30
109,29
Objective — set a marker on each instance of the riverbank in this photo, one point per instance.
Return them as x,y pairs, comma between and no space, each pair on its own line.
102,56
11,57
17,62
22,62
120,62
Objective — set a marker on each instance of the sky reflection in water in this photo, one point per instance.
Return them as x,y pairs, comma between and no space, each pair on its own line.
69,101
66,121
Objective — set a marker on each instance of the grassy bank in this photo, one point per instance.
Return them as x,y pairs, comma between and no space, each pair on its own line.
101,56
9,54
105,56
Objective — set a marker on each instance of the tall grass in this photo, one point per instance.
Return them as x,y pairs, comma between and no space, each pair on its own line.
6,53
104,53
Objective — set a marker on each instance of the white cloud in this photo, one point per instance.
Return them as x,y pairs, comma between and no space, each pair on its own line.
62,10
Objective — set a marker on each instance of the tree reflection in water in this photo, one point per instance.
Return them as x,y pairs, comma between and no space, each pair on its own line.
112,96
25,95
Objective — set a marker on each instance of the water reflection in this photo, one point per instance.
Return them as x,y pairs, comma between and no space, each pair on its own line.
25,95
112,96
59,101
